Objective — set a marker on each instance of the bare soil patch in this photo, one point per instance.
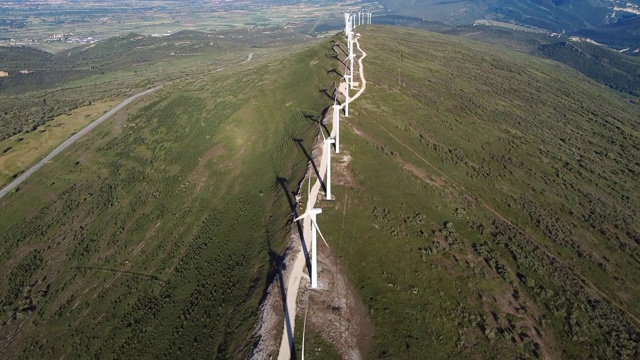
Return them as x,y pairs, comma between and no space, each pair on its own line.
336,310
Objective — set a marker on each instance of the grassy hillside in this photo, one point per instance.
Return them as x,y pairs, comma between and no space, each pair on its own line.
488,203
18,58
77,77
155,235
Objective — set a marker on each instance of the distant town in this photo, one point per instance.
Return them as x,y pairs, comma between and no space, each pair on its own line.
63,38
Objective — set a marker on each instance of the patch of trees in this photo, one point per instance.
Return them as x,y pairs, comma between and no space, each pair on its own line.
618,71
583,317
20,277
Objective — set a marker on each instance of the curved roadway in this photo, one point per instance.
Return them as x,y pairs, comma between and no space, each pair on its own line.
12,185
297,272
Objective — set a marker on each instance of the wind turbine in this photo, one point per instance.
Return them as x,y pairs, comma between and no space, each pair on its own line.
347,23
346,102
349,84
327,149
351,58
336,124
350,43
311,212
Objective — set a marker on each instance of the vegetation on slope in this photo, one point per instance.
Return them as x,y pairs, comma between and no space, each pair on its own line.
625,33
488,204
620,72
56,84
156,235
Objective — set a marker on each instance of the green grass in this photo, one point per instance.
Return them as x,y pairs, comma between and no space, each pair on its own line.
157,229
21,151
461,133
106,70
488,209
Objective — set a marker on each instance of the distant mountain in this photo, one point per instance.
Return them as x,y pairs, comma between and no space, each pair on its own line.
553,15
609,67
623,34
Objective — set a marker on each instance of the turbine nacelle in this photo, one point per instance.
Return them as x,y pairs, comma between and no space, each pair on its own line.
309,212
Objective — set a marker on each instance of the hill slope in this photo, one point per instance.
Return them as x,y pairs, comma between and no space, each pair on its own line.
555,15
489,204
156,234
621,72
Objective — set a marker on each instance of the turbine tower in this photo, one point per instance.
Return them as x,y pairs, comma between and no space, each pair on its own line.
311,213
346,103
336,124
327,149
349,82
351,58
347,23
350,42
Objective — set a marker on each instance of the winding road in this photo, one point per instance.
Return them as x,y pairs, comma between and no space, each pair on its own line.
12,185
297,272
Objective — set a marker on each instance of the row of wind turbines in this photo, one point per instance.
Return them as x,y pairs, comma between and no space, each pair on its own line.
351,21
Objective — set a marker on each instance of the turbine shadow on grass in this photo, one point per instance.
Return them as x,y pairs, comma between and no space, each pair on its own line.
341,49
276,262
335,71
310,159
285,308
294,211
326,93
323,116
336,57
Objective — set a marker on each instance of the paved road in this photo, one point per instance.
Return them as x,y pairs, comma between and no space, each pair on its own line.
297,272
70,141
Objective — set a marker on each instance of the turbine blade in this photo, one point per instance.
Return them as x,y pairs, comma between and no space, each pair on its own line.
319,232
304,327
301,217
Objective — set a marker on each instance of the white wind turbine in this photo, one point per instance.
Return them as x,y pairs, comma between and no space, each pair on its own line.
348,80
327,150
347,23
351,58
336,124
311,212
351,43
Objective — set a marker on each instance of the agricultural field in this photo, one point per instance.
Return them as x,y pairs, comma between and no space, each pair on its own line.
63,25
487,205
154,235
